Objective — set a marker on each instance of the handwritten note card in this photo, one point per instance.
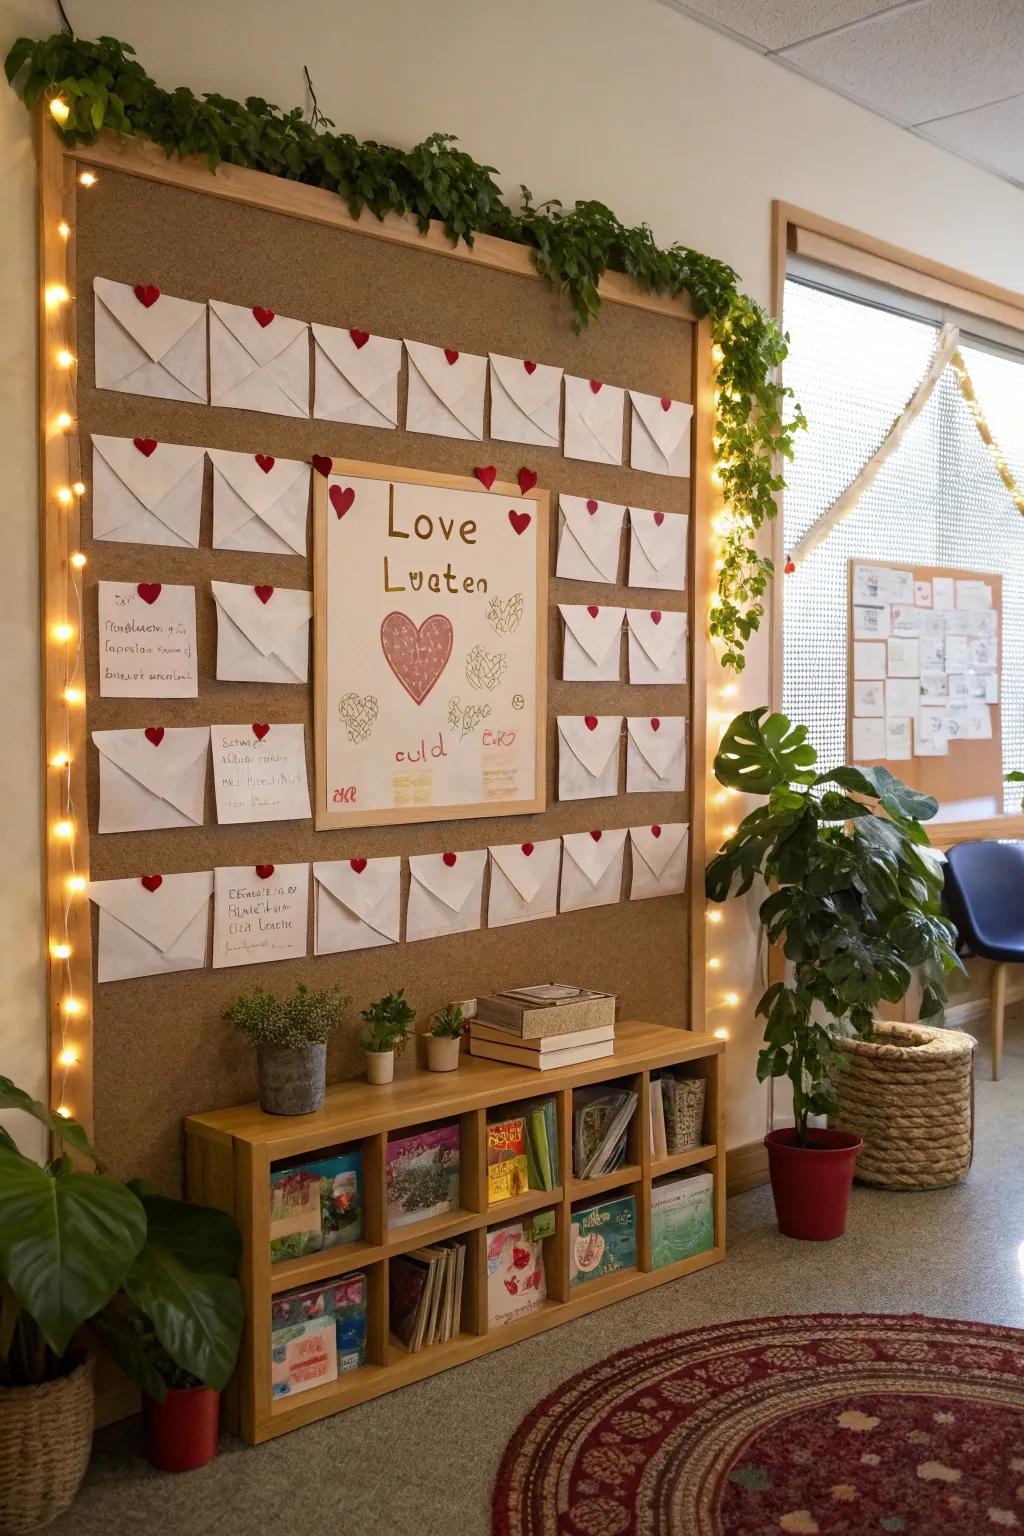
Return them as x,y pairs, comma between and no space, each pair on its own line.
259,914
147,636
259,772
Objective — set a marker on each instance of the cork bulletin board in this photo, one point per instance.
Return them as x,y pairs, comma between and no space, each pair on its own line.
159,1046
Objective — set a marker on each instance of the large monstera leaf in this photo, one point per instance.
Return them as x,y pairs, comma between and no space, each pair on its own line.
760,751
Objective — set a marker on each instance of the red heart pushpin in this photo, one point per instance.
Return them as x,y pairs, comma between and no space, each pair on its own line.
529,365
592,506
264,871
359,338
593,610
262,316
590,721
259,731
659,518
145,445
526,848
149,591
323,464
154,734
486,475
666,405
152,882
655,723
451,357
595,386
264,594
596,836
449,859
266,462
655,831
655,617
358,865
527,480
147,294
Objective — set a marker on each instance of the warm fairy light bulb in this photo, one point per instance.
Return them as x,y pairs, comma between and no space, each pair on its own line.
717,355
64,358
65,420
62,829
714,917
60,951
720,797
731,999
87,179
68,1057
59,110
77,560
64,229
728,831
65,496
79,487
55,294
72,1005
72,695
714,963
730,691
59,760
63,632
76,884
64,1113
720,1034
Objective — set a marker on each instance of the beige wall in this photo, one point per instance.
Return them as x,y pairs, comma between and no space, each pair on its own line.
622,100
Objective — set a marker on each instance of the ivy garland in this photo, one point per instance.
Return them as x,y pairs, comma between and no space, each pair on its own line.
105,86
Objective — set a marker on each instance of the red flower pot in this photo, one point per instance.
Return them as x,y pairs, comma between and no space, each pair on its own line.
811,1184
181,1432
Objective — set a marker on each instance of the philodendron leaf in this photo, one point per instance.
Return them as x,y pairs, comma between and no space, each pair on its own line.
69,1131
199,1236
197,1318
760,751
66,1242
129,1352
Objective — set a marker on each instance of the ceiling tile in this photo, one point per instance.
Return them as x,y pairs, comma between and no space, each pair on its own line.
773,24
994,135
925,62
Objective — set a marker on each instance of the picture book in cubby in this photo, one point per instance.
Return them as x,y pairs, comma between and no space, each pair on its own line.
602,1239
317,1333
425,1295
600,1120
316,1205
508,1170
683,1100
516,1282
682,1217
422,1175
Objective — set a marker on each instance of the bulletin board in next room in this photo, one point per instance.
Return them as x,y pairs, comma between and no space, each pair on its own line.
159,1046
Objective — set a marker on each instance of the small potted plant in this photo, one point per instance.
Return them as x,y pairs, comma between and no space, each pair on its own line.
291,1043
445,1038
855,904
388,1022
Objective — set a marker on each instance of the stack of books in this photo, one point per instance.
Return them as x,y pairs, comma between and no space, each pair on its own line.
425,1295
554,1025
677,1113
600,1117
522,1150
317,1332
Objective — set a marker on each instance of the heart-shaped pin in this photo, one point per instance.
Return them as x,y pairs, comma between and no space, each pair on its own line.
596,836
264,871
417,655
323,464
341,498
358,865
262,316
591,722
259,731
655,831
154,734
451,357
449,860
486,475
592,506
359,338
146,445
264,594
593,610
666,405
655,723
147,294
595,386
529,365
151,883
520,521
659,518
526,849
655,617
527,480
266,462
149,591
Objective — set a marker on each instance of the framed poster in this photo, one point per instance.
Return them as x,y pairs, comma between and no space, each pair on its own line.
430,608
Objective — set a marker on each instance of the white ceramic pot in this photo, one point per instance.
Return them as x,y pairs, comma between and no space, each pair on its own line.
443,1052
380,1066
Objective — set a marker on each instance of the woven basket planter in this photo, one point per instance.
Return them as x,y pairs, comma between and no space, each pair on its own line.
910,1094
45,1441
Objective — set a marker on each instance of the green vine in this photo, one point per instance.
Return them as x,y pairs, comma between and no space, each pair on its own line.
105,86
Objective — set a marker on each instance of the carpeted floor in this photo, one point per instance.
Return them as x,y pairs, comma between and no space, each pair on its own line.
422,1462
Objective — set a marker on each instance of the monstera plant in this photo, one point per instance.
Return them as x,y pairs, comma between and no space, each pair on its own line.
853,899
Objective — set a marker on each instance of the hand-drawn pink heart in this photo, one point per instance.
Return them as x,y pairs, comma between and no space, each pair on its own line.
529,365
154,734
666,405
527,479
262,316
659,518
323,464
451,357
152,882
266,462
340,499
486,475
590,721
655,723
655,617
417,656
520,521
147,294
655,831
596,836
358,865
264,594
264,871
149,591
595,386
145,445
259,731
526,849
449,860
359,338
592,506
520,1257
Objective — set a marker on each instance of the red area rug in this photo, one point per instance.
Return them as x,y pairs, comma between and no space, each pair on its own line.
843,1426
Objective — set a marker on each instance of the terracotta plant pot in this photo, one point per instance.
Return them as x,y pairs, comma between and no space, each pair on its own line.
443,1052
181,1432
45,1442
292,1082
811,1184
380,1066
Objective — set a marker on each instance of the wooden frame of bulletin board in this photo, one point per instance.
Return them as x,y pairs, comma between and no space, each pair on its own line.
131,1058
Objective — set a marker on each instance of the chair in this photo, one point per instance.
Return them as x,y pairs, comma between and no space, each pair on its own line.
984,896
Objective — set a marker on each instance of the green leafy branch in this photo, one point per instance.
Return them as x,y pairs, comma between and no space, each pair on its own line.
104,86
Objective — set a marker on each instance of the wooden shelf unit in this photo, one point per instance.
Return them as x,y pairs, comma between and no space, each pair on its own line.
230,1154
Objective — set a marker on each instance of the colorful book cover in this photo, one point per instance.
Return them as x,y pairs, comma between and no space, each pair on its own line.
507,1167
293,1316
682,1218
316,1205
542,1144
684,1111
423,1175
516,1283
603,1239
302,1355
407,1280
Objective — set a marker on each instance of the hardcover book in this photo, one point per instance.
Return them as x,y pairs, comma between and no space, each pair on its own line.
423,1175
684,1111
682,1218
507,1166
602,1239
316,1205
556,1009
297,1316
516,1283
302,1355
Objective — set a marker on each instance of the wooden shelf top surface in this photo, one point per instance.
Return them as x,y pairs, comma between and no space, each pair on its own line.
356,1108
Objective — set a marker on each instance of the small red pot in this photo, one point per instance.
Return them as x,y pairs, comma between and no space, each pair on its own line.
811,1184
181,1432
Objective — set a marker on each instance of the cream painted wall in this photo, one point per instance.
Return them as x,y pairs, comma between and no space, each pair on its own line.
622,100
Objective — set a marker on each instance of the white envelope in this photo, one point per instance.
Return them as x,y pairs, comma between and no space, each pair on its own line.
524,882
659,859
525,400
153,925
259,502
655,753
588,756
355,377
145,492
260,914
589,532
259,773
149,346
258,363
591,869
657,549
659,434
446,391
152,778
592,642
593,421
657,646
262,642
358,904
444,894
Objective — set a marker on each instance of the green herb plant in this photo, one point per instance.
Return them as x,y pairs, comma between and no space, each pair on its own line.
105,86
448,1023
853,898
305,1018
388,1023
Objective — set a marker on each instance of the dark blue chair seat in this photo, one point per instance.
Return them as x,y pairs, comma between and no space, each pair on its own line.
984,896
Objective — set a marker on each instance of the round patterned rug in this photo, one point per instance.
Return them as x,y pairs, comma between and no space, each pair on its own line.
843,1426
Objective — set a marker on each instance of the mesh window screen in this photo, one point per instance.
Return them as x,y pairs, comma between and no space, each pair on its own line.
938,500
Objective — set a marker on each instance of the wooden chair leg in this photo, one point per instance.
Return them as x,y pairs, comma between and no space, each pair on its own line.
998,1009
